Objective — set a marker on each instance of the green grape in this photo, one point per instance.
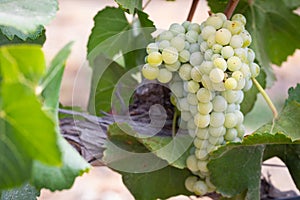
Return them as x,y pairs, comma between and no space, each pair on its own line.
200,188
215,21
237,75
207,31
208,54
203,47
202,133
230,84
254,69
166,35
217,119
206,82
231,134
206,67
235,27
186,115
154,59
215,56
245,70
241,84
191,36
164,76
222,16
205,108
246,38
234,63
182,36
173,67
231,96
211,41
216,140
178,43
193,86
220,63
239,116
163,44
192,99
223,36
240,18
150,72
209,184
193,109
217,131
186,45
194,27
185,72
196,58
236,41
184,105
176,29
194,48
186,24
169,55
248,85
241,130
216,48
201,154
227,52
152,47
216,75
204,95
196,74
200,144
241,53
190,182
219,103
230,120
250,56
191,163
201,121
184,56
218,86
191,125
202,166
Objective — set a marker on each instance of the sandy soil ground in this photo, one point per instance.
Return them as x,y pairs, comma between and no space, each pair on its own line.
73,23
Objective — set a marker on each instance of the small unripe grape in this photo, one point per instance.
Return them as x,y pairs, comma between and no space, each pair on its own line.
248,84
154,59
227,52
201,121
214,21
217,119
241,84
234,63
196,74
216,75
254,69
191,163
207,31
202,133
239,116
230,84
237,75
178,43
202,165
231,134
191,36
217,131
205,108
163,44
241,130
206,67
219,104
184,105
231,96
208,54
241,53
236,41
186,115
223,36
193,86
184,56
169,55
176,28
185,72
194,48
203,47
201,154
211,41
186,24
190,182
192,99
200,188
235,27
196,58
246,38
194,27
216,48
200,144
150,72
152,47
230,120
164,76
204,95
239,17
177,89
173,67
166,35
220,63
250,56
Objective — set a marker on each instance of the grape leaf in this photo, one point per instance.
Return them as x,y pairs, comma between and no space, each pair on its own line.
26,16
274,29
38,39
59,177
26,191
130,5
145,178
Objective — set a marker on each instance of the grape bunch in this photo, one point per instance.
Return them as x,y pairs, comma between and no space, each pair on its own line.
207,67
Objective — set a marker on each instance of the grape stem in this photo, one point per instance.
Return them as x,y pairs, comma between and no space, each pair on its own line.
192,10
175,115
146,4
229,10
266,97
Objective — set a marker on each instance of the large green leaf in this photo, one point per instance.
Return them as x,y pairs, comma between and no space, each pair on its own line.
58,178
130,5
273,26
26,15
26,191
37,39
145,175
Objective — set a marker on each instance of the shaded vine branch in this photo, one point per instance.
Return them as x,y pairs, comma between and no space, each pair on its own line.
229,10
192,10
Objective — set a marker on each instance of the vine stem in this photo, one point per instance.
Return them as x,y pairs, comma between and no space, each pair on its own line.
192,10
175,115
229,10
146,4
266,97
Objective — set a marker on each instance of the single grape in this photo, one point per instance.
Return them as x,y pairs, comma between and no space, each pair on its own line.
237,75
166,35
200,144
216,75
239,116
196,74
200,188
177,89
150,72
204,95
173,67
223,36
218,86
202,166
169,55
211,41
215,56
254,69
201,154
194,48
208,54
235,27
176,28
191,36
222,16
154,59
234,63
240,18
241,53
152,47
190,182
214,21
217,131
193,86
241,84
231,134
191,126
220,63
186,24
246,38
202,133
184,56
206,82
164,76
241,130
163,44
193,109
248,85
192,99
201,121
250,56
236,41
194,27
196,58
178,43
191,163
205,108
227,52
230,84
207,31
231,96
217,119
206,67
245,70
186,45
185,71
186,115
184,105
203,47
230,120
219,103
216,48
